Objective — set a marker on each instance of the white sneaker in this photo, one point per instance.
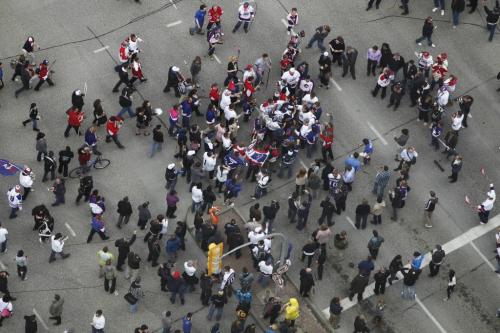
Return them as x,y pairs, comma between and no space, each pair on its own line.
433,45
470,116
288,33
434,9
454,27
442,12
419,44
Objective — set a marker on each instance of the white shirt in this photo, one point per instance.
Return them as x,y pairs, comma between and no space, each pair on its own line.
56,244
265,269
310,101
303,116
209,162
98,322
443,97
497,236
4,305
487,204
189,269
222,174
15,199
164,226
453,281
229,113
291,79
3,234
196,194
456,122
25,180
245,13
306,85
348,176
248,73
254,237
225,99
96,209
267,244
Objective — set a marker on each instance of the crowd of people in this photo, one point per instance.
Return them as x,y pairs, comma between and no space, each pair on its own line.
215,159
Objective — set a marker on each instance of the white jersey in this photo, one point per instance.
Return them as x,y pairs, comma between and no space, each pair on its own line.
291,79
25,180
245,14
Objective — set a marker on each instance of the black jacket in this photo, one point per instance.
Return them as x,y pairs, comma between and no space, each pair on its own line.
77,100
124,208
65,156
458,5
492,15
328,207
271,211
133,261
49,163
124,245
427,29
86,185
125,100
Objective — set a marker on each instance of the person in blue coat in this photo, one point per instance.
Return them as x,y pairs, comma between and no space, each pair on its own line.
199,19
187,325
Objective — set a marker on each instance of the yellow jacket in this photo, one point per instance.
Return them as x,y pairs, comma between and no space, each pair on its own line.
292,309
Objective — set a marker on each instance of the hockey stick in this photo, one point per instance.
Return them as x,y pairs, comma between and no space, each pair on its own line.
85,88
268,75
469,203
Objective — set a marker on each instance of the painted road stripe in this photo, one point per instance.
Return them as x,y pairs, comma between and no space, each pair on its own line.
286,25
303,163
2,265
486,260
335,84
377,133
40,319
217,59
453,245
173,4
101,49
71,231
429,314
352,223
173,24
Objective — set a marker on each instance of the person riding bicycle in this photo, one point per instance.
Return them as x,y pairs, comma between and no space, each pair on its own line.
91,139
84,154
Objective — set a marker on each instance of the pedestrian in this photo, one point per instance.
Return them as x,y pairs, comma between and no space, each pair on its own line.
266,271
133,266
398,198
383,81
199,19
177,286
57,246
59,190
337,48
172,200
97,226
104,255
44,74
374,244
75,119
6,308
394,267
349,57
270,213
187,324
292,311
492,17
15,199
113,126
436,131
26,74
483,210
292,20
380,280
362,212
85,188
26,178
437,257
98,322
429,208
261,66
319,36
457,6
123,76
21,261
100,117
166,322
303,211
171,174
216,306
109,273
65,157
465,103
452,282
172,245
360,325
427,31
377,210
49,166
157,143
438,4
33,117
136,291
124,211
263,180
246,15
397,93
306,281
56,309
409,280
381,180
456,166
358,285
144,215
174,79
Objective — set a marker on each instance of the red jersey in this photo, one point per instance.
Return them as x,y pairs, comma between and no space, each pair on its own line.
123,53
215,14
84,158
43,74
75,117
249,89
214,95
137,70
112,127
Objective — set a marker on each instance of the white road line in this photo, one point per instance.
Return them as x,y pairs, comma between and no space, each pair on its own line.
101,49
2,265
484,258
173,4
377,133
217,59
40,319
173,24
286,25
350,221
429,314
71,231
303,163
453,245
335,84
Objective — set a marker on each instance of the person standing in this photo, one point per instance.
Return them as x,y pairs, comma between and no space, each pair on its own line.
430,206
261,66
123,245
438,4
187,324
456,166
166,322
457,6
136,290
335,311
362,212
349,57
15,200
483,210
409,280
75,119
124,210
381,181
377,210
383,81
328,208
360,325
292,20
492,17
3,239
358,285
452,282
133,266
109,273
57,246
59,190
306,281
25,79
65,157
319,36
325,69
216,306
26,178
370,4
246,15
437,257
85,188
394,267
427,31
374,244
21,262
56,309
199,19
98,322
49,166
380,280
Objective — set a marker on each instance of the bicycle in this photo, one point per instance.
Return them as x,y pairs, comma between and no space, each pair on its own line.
98,163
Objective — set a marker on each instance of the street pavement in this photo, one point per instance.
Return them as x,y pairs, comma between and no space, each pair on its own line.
77,34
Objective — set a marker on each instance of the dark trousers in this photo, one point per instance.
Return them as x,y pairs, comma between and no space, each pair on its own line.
49,81
377,219
63,168
370,4
373,252
449,290
21,271
238,25
170,211
434,269
361,221
326,152
122,219
121,260
349,67
82,194
176,89
404,4
340,204
371,65
92,232
115,139
52,174
379,287
377,88
24,87
119,83
329,218
395,100
360,295
58,319
453,177
26,192
69,127
320,271
108,287
309,259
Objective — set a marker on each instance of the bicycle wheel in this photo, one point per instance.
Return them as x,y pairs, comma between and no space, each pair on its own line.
101,163
75,173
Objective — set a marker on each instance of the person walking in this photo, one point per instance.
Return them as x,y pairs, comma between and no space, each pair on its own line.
457,6
335,311
349,57
438,4
59,190
328,208
26,179
427,31
187,324
44,74
429,208
456,166
199,19
49,166
452,282
319,36
358,285
437,257
15,199
21,261
306,281
362,212
166,322
374,244
136,291
381,180
98,322
133,266
56,309
25,79
492,17
109,273
394,267
34,116
216,306
246,15
97,226
124,211
123,245
65,157
57,246
483,210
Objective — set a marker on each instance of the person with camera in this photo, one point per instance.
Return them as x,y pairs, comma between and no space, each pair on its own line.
57,246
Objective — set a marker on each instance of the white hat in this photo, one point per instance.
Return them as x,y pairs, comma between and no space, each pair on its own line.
171,166
191,153
17,188
290,152
331,176
175,68
78,92
258,229
325,54
492,185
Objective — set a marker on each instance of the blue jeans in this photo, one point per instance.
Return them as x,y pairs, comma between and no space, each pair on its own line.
155,146
3,247
315,38
95,330
126,109
439,3
378,190
429,40
491,28
133,307
260,192
218,312
196,206
455,15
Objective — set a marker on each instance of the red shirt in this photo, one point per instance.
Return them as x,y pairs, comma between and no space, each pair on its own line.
44,72
215,14
249,89
214,94
112,127
84,158
75,117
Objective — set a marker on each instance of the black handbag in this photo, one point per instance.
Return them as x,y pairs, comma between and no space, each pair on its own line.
131,299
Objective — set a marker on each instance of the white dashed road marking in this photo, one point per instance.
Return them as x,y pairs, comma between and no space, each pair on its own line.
40,319
217,59
71,231
429,314
335,84
101,49
377,133
173,24
173,4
